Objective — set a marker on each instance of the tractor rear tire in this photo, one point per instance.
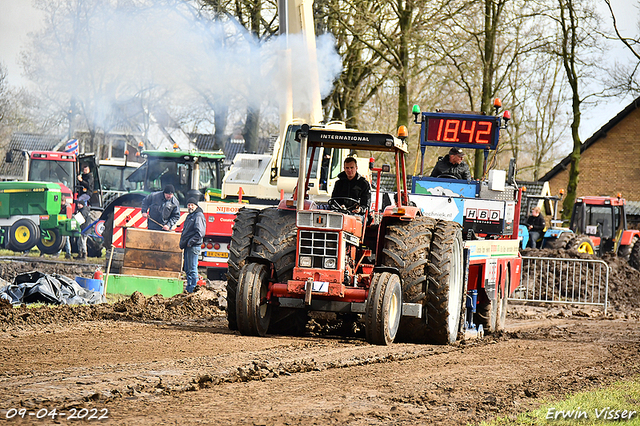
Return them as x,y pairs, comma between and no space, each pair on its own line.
558,243
445,283
406,248
50,242
634,257
275,241
239,248
254,313
24,235
383,309
624,252
581,244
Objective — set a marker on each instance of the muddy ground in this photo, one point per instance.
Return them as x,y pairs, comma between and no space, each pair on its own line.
153,360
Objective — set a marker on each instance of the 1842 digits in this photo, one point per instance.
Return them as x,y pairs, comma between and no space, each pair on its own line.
54,413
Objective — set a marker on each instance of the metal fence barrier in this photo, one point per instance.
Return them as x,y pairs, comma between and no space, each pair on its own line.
563,281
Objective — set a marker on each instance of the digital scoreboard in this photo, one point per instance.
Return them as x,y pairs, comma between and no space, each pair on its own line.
460,130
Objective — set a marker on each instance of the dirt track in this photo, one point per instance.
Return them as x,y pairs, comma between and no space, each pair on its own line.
173,361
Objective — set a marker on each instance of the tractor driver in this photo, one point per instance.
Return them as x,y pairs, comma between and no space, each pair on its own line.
351,184
452,165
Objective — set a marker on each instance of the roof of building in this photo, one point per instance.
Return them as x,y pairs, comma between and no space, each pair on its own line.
534,187
633,208
26,142
599,134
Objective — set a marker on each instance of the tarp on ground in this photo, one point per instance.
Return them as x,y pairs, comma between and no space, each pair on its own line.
54,289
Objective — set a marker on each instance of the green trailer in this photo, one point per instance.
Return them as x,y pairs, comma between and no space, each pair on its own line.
30,215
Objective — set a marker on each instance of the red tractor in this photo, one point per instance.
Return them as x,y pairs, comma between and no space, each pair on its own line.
394,267
604,221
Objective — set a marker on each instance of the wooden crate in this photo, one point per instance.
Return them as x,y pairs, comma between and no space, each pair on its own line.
144,239
152,253
150,273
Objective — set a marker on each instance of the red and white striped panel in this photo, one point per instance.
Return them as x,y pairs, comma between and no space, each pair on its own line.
131,217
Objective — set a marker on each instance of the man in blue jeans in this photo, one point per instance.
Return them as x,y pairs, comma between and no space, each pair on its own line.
191,240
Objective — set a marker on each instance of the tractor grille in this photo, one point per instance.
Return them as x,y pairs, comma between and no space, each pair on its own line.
318,249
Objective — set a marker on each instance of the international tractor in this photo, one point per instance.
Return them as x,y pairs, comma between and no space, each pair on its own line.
403,272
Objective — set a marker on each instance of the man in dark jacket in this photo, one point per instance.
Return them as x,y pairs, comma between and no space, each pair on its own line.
452,164
161,209
535,224
191,240
85,181
351,184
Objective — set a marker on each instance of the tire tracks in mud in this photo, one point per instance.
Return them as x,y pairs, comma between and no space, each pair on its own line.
126,385
104,383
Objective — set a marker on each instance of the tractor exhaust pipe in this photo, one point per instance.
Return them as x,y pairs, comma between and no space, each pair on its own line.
304,136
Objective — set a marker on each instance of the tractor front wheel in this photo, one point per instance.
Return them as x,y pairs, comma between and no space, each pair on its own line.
50,242
24,235
383,309
254,313
239,248
581,244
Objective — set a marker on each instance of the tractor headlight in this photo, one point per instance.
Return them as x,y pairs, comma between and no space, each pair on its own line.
305,261
330,263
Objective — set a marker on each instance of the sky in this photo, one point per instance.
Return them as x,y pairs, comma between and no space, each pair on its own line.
18,18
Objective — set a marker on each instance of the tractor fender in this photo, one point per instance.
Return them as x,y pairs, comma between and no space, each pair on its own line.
628,236
555,232
409,213
390,269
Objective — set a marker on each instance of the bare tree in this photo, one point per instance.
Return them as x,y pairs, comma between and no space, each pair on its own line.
17,108
576,23
540,107
363,73
625,77
259,18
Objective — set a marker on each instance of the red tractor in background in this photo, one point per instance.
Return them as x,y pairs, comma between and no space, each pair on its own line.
604,221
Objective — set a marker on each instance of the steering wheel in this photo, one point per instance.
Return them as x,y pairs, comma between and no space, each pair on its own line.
343,204
447,175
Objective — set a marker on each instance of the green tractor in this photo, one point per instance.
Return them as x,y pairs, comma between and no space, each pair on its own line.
30,215
192,173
